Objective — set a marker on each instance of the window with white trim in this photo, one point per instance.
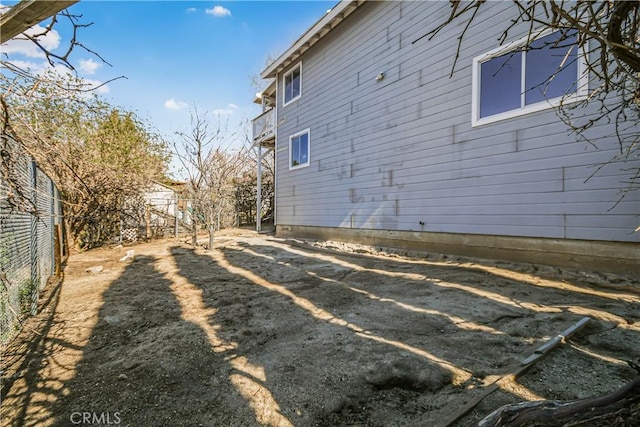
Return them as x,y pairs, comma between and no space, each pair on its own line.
515,80
292,84
299,149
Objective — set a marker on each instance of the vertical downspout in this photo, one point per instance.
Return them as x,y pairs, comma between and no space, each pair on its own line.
275,156
259,183
259,192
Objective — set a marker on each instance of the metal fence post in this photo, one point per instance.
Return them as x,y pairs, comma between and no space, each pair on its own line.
52,222
34,239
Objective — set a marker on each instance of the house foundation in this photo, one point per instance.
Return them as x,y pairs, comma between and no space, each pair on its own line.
585,255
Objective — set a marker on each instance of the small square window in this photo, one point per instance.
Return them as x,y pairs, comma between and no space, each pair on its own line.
527,78
292,83
299,149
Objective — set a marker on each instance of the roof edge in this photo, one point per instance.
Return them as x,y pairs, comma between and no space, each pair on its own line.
269,90
310,37
28,13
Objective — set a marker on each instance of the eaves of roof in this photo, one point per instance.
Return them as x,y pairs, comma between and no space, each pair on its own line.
270,90
27,13
320,29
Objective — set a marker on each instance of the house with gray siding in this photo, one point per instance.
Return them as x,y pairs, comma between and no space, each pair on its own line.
377,142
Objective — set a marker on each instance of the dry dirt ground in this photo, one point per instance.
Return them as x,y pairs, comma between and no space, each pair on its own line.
266,331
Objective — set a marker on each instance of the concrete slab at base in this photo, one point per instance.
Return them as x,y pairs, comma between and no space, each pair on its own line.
585,255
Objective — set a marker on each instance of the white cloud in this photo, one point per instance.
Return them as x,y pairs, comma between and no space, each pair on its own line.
172,104
225,111
89,66
191,10
25,47
20,46
218,11
85,85
67,81
33,67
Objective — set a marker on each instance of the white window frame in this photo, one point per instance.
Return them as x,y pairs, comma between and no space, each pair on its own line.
284,85
302,165
582,82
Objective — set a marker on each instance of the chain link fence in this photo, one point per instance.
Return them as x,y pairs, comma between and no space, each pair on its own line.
32,238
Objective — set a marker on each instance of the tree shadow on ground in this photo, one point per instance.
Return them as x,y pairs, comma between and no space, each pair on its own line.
144,365
421,299
514,294
269,334
26,355
318,370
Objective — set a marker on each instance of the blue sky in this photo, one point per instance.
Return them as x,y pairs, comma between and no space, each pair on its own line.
177,54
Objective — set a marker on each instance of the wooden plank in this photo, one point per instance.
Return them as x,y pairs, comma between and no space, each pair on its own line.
57,250
28,13
527,363
554,342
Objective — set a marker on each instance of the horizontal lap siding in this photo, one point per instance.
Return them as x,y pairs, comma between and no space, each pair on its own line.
400,153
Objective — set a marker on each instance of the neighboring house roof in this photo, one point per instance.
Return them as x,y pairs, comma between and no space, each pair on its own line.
312,36
155,184
171,183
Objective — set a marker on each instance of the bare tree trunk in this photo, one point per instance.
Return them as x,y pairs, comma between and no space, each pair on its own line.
210,227
194,232
621,407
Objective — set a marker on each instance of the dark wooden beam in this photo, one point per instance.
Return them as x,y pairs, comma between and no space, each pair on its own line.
28,13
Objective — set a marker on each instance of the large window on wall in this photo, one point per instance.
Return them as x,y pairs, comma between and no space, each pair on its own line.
299,149
292,83
522,78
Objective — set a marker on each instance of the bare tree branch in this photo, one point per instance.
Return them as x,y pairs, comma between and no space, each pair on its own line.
212,168
606,34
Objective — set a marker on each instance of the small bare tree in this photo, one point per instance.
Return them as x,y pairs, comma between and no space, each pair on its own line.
211,168
247,183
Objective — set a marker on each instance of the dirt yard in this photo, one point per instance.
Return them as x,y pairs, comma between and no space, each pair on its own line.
266,331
